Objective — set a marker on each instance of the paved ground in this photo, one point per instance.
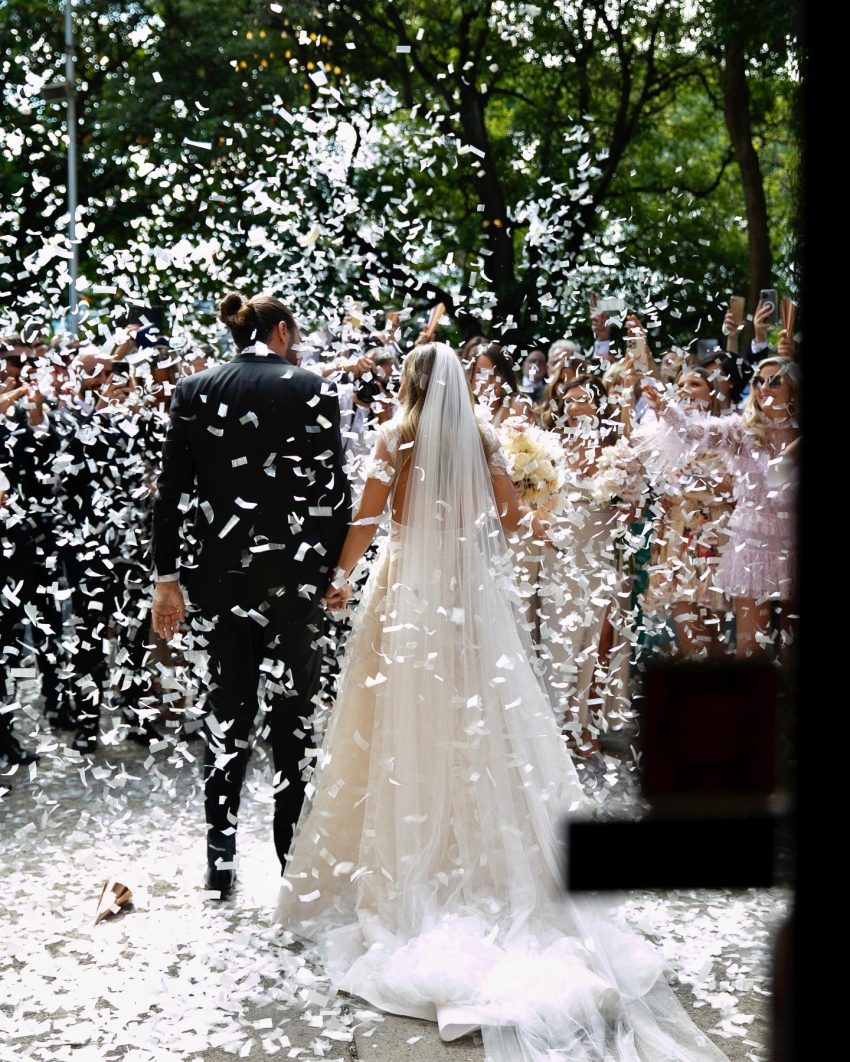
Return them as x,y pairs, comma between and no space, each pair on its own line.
181,977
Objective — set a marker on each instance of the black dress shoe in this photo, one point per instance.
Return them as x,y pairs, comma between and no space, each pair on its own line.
84,741
11,750
142,731
220,881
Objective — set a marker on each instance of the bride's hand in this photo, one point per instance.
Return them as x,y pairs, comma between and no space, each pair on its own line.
336,600
338,594
540,524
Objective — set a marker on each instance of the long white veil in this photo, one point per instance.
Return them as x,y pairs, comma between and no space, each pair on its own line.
453,651
433,882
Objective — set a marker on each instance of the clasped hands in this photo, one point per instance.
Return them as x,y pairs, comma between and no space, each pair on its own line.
338,593
12,391
169,608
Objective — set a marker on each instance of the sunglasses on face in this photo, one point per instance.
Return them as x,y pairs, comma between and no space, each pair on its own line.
768,381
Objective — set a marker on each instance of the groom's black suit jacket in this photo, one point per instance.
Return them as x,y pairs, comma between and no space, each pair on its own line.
259,441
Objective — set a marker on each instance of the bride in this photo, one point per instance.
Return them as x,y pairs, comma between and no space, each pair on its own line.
427,864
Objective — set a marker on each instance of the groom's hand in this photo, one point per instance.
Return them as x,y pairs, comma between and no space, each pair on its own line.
168,609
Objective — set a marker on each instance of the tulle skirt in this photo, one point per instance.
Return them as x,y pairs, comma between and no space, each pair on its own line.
426,866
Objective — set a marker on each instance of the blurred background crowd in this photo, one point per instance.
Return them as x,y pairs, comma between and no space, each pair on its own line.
666,477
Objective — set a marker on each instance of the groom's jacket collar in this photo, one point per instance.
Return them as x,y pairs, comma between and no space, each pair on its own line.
252,354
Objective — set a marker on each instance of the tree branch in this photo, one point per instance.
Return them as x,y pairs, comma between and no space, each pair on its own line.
665,189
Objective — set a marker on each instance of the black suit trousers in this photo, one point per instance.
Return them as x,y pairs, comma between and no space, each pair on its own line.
283,656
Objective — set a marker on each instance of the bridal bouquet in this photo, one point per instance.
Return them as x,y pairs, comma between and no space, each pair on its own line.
535,463
619,477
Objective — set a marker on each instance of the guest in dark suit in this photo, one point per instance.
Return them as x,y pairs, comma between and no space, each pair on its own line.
89,467
258,439
22,452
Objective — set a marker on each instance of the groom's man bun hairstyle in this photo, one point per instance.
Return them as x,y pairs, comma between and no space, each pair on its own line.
252,320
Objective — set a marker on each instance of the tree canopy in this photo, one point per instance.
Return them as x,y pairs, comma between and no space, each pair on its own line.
505,158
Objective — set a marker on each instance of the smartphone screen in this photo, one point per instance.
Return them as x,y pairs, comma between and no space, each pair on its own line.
610,304
707,350
147,315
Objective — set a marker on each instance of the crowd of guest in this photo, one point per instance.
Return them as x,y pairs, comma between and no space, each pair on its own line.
669,484
665,480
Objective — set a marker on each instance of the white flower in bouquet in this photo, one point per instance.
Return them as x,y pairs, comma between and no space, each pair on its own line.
619,477
535,463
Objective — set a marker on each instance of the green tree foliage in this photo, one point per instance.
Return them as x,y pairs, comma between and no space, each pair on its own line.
505,158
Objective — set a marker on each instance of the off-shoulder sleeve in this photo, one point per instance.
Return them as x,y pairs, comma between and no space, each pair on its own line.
381,462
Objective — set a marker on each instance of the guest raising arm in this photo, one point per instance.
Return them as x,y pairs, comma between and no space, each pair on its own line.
694,494
761,446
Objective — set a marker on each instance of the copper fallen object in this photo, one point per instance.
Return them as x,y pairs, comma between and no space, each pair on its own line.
117,896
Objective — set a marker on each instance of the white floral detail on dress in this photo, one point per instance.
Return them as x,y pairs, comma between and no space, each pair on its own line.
497,459
381,463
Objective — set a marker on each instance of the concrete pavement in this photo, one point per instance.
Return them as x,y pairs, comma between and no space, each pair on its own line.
181,977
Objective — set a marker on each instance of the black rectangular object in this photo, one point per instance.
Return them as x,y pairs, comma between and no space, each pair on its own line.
147,315
671,853
709,731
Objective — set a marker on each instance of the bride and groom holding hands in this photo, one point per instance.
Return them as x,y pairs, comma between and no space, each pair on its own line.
426,866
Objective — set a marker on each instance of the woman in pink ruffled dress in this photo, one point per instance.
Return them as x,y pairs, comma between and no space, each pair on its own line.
761,446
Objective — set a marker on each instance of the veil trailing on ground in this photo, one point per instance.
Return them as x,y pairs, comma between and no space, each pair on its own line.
428,866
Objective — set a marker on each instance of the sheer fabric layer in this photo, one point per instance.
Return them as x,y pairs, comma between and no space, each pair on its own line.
427,865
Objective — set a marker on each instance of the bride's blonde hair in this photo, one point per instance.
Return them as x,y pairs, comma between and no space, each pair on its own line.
416,374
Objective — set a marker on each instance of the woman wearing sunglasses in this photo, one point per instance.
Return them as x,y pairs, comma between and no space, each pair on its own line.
761,446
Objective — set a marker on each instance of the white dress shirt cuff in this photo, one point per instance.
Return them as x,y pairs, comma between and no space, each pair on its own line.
172,577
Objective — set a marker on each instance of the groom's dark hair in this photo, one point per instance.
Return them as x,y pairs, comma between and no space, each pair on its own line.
252,320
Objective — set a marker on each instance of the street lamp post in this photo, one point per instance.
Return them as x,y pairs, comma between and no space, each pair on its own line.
67,90
71,82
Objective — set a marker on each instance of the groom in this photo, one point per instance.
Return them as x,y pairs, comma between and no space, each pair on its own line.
257,440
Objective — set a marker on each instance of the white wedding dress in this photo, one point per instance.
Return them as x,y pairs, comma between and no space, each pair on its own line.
427,864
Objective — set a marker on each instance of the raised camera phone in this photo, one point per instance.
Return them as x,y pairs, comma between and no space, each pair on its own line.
769,295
